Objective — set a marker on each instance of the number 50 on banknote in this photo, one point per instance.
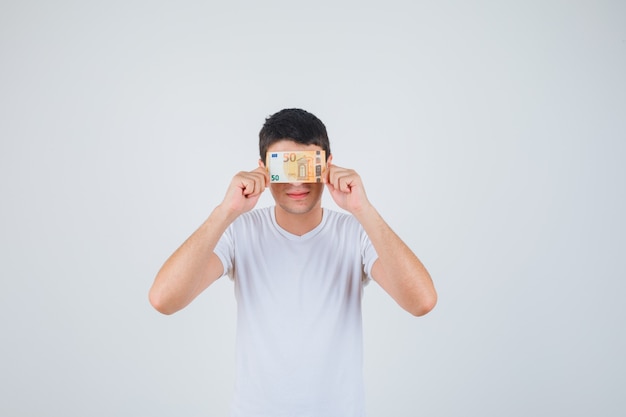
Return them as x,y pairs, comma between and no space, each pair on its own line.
296,166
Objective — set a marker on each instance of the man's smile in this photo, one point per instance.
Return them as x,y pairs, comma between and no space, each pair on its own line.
298,194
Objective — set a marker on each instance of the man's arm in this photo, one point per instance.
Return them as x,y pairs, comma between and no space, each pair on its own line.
397,269
194,266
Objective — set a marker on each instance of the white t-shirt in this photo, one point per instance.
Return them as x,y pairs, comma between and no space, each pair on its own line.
299,331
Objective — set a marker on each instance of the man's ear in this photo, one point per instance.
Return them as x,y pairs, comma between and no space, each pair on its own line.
261,163
330,159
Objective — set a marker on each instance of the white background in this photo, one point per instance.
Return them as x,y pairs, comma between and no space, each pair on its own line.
490,134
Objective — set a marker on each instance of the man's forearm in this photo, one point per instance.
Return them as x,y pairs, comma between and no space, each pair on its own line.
192,267
398,270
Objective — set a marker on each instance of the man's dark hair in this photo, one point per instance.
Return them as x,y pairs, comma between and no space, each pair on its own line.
297,125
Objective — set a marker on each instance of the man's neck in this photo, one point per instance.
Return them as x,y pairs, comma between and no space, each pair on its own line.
299,223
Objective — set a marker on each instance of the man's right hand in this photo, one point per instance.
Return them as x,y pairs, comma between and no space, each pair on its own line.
244,191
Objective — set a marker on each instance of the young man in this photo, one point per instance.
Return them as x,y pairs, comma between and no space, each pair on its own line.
299,272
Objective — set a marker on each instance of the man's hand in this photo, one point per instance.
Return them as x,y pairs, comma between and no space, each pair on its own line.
346,188
244,191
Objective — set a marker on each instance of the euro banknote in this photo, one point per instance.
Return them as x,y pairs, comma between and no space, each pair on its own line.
296,166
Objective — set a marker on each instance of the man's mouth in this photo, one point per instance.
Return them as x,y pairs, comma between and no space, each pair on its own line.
298,195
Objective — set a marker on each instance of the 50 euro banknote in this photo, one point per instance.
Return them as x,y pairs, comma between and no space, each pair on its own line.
296,166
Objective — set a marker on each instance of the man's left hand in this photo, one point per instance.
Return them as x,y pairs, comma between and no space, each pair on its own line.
346,188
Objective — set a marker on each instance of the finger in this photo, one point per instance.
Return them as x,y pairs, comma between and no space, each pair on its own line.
247,187
261,176
332,169
334,173
326,174
265,177
345,183
261,179
247,183
342,179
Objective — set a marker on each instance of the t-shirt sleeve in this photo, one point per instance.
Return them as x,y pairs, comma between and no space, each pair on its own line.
369,255
225,250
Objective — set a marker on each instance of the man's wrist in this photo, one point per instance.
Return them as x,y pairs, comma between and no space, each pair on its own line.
365,212
223,215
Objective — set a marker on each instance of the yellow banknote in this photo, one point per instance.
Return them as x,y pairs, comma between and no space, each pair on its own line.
296,166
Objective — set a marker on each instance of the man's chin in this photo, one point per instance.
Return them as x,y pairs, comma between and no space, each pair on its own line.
296,208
